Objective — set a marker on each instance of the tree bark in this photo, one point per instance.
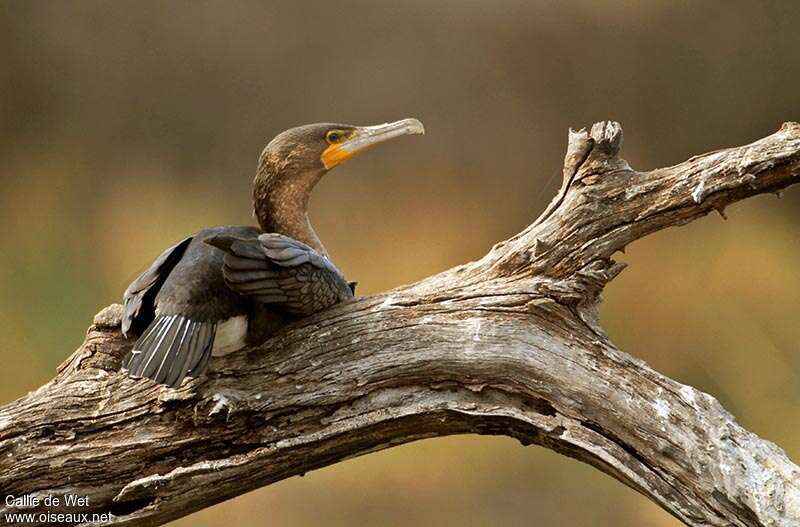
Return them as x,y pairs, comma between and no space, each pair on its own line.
509,344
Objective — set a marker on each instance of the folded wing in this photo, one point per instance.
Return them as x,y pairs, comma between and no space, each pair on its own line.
276,269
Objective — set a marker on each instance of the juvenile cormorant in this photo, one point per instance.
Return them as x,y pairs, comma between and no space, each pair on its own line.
225,287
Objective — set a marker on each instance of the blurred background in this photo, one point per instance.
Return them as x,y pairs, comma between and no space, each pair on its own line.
126,125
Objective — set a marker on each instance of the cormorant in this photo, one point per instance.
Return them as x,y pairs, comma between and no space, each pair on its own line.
225,287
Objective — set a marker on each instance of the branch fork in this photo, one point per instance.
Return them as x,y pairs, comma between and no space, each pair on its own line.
508,345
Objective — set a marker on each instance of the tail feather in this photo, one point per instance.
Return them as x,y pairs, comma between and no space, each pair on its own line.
160,353
175,372
170,349
173,353
135,359
132,359
200,349
202,362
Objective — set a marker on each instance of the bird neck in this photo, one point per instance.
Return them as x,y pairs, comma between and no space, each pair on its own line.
280,202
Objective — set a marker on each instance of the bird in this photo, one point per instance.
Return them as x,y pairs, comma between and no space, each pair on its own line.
224,288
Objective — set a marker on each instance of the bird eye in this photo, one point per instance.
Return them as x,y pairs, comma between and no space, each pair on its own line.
333,137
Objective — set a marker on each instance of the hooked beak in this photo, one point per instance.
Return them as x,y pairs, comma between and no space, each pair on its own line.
365,137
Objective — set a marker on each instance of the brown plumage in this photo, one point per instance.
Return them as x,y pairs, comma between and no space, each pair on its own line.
225,287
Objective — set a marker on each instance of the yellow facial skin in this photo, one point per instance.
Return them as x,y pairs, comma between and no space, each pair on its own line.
335,154
345,145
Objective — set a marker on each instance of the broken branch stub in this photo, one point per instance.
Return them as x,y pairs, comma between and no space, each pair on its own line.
508,345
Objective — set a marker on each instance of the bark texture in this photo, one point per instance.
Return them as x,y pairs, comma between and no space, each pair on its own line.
509,344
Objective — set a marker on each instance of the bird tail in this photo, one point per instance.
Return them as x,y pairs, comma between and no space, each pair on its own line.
171,348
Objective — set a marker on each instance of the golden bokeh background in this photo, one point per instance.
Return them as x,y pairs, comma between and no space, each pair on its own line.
126,125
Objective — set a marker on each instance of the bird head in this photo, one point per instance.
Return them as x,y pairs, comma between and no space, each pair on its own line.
318,148
293,162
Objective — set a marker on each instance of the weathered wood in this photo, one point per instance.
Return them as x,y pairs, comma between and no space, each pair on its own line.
509,345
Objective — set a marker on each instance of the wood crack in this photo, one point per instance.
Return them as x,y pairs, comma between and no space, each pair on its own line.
509,344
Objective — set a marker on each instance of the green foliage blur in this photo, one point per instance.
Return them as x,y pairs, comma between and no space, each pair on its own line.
126,125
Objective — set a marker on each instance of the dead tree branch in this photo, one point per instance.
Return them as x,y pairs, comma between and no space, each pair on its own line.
508,345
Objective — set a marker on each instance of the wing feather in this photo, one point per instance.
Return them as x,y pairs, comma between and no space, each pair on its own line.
276,269
139,296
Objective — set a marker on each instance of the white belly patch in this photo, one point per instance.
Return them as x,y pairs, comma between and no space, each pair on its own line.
230,336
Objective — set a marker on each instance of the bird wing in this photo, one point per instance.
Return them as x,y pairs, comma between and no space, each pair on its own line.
139,296
276,269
